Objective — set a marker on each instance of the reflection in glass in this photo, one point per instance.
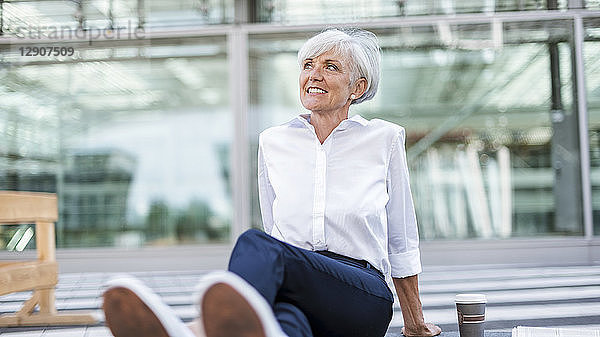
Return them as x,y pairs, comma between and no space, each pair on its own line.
52,19
476,103
591,54
135,140
288,11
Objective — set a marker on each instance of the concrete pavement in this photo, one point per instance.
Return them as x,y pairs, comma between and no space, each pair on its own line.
533,296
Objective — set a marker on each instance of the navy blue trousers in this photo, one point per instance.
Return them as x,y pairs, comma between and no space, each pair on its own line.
311,294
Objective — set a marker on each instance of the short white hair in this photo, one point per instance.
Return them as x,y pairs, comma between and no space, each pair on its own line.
360,46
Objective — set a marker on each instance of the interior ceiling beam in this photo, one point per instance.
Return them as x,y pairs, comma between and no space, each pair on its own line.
223,54
381,23
140,59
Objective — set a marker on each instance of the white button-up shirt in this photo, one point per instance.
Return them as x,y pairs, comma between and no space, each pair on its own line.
349,195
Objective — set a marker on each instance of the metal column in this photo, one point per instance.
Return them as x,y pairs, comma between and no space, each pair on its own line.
237,42
580,105
565,149
1,17
565,154
237,45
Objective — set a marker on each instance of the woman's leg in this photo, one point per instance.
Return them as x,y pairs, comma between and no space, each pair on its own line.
292,320
337,299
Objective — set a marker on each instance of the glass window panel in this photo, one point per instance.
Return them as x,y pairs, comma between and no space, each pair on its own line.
483,136
592,4
44,18
591,54
287,11
38,15
134,138
188,12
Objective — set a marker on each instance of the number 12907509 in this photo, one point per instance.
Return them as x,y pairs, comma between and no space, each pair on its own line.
47,51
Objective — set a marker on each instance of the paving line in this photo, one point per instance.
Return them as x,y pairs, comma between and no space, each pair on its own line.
520,295
517,313
445,287
492,273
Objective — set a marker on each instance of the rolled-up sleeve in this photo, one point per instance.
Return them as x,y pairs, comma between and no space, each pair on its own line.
403,235
266,194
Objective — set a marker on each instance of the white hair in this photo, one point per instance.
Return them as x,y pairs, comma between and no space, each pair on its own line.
360,46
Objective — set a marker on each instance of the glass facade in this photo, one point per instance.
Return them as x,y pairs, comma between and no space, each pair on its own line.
22,17
477,104
134,122
293,12
134,139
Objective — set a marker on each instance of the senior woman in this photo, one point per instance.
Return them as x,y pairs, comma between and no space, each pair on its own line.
339,221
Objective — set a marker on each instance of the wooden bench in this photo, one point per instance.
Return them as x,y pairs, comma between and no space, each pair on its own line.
40,275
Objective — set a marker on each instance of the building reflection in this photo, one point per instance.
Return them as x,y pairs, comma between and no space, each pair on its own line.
95,196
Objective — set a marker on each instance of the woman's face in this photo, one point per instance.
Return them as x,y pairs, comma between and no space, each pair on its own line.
325,83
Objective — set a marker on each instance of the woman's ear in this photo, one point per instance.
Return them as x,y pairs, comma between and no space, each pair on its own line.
360,86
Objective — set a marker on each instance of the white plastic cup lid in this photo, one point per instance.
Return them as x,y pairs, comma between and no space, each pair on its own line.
470,298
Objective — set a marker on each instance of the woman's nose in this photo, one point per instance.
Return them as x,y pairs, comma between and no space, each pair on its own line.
315,74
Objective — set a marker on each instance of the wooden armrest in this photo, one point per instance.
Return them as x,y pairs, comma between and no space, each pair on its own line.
27,207
21,276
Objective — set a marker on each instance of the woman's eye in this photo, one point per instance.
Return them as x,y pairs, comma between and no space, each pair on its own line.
307,65
331,67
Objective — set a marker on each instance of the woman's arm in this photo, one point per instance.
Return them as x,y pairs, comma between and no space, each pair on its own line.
403,243
403,235
407,289
266,195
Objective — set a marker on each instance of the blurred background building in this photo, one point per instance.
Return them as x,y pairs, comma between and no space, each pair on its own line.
144,116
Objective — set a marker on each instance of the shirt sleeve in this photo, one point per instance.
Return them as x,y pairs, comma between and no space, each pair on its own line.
403,236
266,194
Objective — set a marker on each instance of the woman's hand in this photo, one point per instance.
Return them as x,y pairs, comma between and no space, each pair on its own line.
426,329
407,289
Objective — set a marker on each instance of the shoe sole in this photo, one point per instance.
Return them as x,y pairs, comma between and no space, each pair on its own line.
128,316
226,313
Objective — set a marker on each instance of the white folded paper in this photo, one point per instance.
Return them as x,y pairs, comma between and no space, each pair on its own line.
525,331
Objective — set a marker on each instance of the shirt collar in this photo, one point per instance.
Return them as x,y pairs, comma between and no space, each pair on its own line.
304,119
359,119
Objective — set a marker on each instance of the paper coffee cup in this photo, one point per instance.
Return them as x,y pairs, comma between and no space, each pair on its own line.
471,314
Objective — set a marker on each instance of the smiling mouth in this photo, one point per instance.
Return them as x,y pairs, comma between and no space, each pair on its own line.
315,90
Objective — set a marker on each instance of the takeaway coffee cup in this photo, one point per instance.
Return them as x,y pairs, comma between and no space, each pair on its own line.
471,314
